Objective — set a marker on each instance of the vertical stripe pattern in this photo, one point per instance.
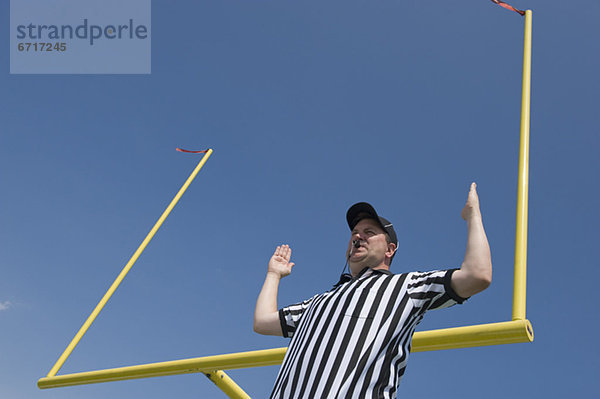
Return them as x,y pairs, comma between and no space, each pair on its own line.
354,341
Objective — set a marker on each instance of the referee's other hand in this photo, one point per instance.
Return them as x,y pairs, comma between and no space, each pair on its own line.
280,264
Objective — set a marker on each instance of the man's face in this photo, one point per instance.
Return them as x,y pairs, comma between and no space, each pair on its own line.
373,246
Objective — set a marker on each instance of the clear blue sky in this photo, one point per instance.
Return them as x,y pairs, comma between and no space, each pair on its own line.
309,106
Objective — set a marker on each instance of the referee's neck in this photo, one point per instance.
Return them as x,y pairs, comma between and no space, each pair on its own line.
364,268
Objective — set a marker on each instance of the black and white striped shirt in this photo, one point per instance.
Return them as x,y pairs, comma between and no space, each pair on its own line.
354,341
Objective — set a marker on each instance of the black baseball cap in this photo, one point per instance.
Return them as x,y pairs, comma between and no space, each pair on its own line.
363,210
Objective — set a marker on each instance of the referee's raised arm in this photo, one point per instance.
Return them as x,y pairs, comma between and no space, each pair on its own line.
266,314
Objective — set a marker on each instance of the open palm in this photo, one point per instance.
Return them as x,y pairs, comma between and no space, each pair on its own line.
280,261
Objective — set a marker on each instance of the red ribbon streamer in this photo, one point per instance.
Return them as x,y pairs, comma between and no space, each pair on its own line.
191,152
508,6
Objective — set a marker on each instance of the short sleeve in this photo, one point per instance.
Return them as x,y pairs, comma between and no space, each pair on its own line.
290,316
432,290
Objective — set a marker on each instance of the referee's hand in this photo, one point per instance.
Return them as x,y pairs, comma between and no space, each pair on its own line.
280,264
471,209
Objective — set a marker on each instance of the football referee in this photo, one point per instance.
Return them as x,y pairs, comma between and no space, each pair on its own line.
354,340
